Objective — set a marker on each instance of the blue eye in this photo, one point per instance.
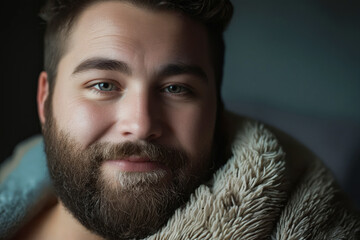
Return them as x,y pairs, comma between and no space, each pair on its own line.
175,89
104,86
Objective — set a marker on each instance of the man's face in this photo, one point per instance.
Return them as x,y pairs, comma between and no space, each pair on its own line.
130,128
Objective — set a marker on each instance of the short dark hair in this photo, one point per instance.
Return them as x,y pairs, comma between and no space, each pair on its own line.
60,16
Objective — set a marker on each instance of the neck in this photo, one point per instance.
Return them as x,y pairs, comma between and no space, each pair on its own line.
65,226
56,223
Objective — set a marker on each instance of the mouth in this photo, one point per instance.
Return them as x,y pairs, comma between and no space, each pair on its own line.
136,164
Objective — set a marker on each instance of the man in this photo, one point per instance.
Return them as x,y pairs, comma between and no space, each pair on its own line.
138,145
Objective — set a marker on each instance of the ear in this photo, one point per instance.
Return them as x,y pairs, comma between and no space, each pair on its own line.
42,95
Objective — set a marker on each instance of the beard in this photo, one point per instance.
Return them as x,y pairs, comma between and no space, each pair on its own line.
115,204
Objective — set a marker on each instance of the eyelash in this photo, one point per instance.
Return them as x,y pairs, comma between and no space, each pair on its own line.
95,88
112,86
184,90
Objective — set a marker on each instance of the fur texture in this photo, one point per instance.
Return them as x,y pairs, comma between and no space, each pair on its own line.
251,197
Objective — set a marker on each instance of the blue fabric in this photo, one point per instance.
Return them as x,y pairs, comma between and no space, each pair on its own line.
22,190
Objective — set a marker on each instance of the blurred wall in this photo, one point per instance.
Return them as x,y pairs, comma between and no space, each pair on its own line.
301,56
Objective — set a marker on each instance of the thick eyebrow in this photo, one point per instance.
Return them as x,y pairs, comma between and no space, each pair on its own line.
103,64
182,68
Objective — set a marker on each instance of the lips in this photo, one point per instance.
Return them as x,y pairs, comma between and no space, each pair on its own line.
136,164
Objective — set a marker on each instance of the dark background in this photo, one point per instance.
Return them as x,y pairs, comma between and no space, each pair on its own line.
21,63
292,64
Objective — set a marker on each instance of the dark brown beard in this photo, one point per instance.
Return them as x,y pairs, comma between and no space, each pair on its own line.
132,208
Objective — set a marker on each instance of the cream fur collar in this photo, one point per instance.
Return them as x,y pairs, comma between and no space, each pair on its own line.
249,198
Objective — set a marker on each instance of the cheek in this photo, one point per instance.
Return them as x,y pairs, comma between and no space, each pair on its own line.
80,118
195,129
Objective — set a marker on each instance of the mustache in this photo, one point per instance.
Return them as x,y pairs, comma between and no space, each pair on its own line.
169,156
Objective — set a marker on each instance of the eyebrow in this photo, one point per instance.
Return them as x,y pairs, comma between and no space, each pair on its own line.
168,70
182,68
103,64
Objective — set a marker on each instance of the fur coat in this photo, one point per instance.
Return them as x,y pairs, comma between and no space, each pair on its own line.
271,187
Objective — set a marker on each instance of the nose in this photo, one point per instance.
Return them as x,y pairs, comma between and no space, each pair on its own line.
138,116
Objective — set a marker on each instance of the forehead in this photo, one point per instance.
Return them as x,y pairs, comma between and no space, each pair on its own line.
116,26
113,13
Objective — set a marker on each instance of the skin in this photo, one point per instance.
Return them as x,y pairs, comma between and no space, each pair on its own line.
141,104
